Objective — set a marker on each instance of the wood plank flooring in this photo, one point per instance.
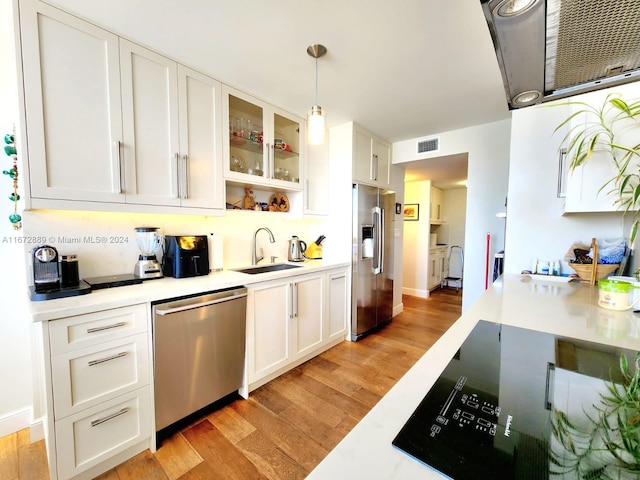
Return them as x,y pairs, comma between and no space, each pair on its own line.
287,426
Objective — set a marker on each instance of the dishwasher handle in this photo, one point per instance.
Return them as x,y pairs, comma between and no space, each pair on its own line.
190,306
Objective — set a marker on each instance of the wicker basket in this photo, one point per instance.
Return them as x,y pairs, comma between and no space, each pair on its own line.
584,270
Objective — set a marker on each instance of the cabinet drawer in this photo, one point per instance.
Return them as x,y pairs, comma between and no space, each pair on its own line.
81,331
84,378
92,436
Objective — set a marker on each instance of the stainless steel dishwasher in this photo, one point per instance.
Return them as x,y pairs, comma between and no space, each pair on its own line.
198,346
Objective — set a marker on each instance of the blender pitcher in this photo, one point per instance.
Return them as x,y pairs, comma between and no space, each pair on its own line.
149,241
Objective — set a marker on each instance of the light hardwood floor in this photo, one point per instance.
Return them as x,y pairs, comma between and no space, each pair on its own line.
287,426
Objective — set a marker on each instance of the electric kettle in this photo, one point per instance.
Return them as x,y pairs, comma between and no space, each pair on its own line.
296,250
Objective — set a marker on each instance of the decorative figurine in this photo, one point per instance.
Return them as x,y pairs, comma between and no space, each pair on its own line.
249,202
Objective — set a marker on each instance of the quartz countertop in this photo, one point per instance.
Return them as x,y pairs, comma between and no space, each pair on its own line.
567,309
164,288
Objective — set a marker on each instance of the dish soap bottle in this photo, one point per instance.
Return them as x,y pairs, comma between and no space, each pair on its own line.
556,268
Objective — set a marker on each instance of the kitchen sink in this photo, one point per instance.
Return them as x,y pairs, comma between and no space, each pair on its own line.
274,267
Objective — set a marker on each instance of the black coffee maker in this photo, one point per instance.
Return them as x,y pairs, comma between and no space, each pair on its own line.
46,275
54,275
185,256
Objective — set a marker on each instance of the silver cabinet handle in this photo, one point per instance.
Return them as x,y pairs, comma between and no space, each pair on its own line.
185,177
375,168
291,301
295,300
107,359
562,173
117,184
176,192
106,327
97,422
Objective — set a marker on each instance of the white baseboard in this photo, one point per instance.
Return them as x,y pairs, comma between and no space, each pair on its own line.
397,309
15,421
36,432
415,292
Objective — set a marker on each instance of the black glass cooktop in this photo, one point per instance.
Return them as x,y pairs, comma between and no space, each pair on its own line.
493,413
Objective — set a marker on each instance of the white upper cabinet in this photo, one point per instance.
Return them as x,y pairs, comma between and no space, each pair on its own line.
201,180
262,144
316,179
171,118
369,156
109,121
150,121
436,203
72,102
372,158
584,192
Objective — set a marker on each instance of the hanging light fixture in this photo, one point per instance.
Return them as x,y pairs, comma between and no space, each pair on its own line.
316,119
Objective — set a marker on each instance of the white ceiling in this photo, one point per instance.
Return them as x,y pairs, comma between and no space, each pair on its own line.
402,69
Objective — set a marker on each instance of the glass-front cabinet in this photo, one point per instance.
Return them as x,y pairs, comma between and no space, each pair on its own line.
262,144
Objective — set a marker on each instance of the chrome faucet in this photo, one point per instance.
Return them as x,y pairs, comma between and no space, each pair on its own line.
254,253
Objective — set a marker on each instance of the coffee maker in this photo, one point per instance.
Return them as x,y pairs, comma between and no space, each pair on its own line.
46,275
55,275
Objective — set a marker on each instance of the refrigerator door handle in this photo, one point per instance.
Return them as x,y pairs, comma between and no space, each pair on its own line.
381,244
377,221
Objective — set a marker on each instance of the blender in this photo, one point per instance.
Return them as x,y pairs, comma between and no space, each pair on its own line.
149,241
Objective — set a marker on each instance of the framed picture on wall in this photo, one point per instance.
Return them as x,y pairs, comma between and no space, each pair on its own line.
411,211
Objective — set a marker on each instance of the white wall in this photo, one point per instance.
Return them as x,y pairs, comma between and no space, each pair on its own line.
416,240
488,153
15,362
536,226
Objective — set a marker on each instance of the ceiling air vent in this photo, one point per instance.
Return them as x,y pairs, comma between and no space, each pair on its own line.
429,145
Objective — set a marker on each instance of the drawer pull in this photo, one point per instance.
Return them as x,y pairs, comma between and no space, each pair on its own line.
106,327
97,422
106,359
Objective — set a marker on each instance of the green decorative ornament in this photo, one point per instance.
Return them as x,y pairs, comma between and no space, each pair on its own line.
14,197
15,218
11,173
9,139
10,150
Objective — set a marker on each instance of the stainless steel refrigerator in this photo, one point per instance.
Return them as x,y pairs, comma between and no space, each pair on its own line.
372,272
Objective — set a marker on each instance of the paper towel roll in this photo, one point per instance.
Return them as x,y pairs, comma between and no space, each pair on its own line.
216,252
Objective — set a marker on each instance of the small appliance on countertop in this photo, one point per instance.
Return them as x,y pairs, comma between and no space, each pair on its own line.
110,281
314,251
295,252
186,256
149,241
54,275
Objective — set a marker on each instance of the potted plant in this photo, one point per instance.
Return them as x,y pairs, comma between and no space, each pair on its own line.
608,445
614,128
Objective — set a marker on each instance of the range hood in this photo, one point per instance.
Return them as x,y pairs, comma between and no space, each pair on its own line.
551,49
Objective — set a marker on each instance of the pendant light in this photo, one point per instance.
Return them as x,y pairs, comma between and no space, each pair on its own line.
316,119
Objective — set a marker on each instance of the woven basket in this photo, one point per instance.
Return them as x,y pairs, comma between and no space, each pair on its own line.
603,270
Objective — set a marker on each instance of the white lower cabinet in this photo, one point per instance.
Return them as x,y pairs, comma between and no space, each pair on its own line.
290,321
97,372
437,269
91,436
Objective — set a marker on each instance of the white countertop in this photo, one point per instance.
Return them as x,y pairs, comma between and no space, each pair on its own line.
567,309
163,288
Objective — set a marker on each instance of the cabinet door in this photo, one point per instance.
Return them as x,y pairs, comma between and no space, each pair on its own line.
362,156
382,163
285,165
150,122
316,179
246,137
308,309
337,307
268,346
436,215
201,181
73,110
